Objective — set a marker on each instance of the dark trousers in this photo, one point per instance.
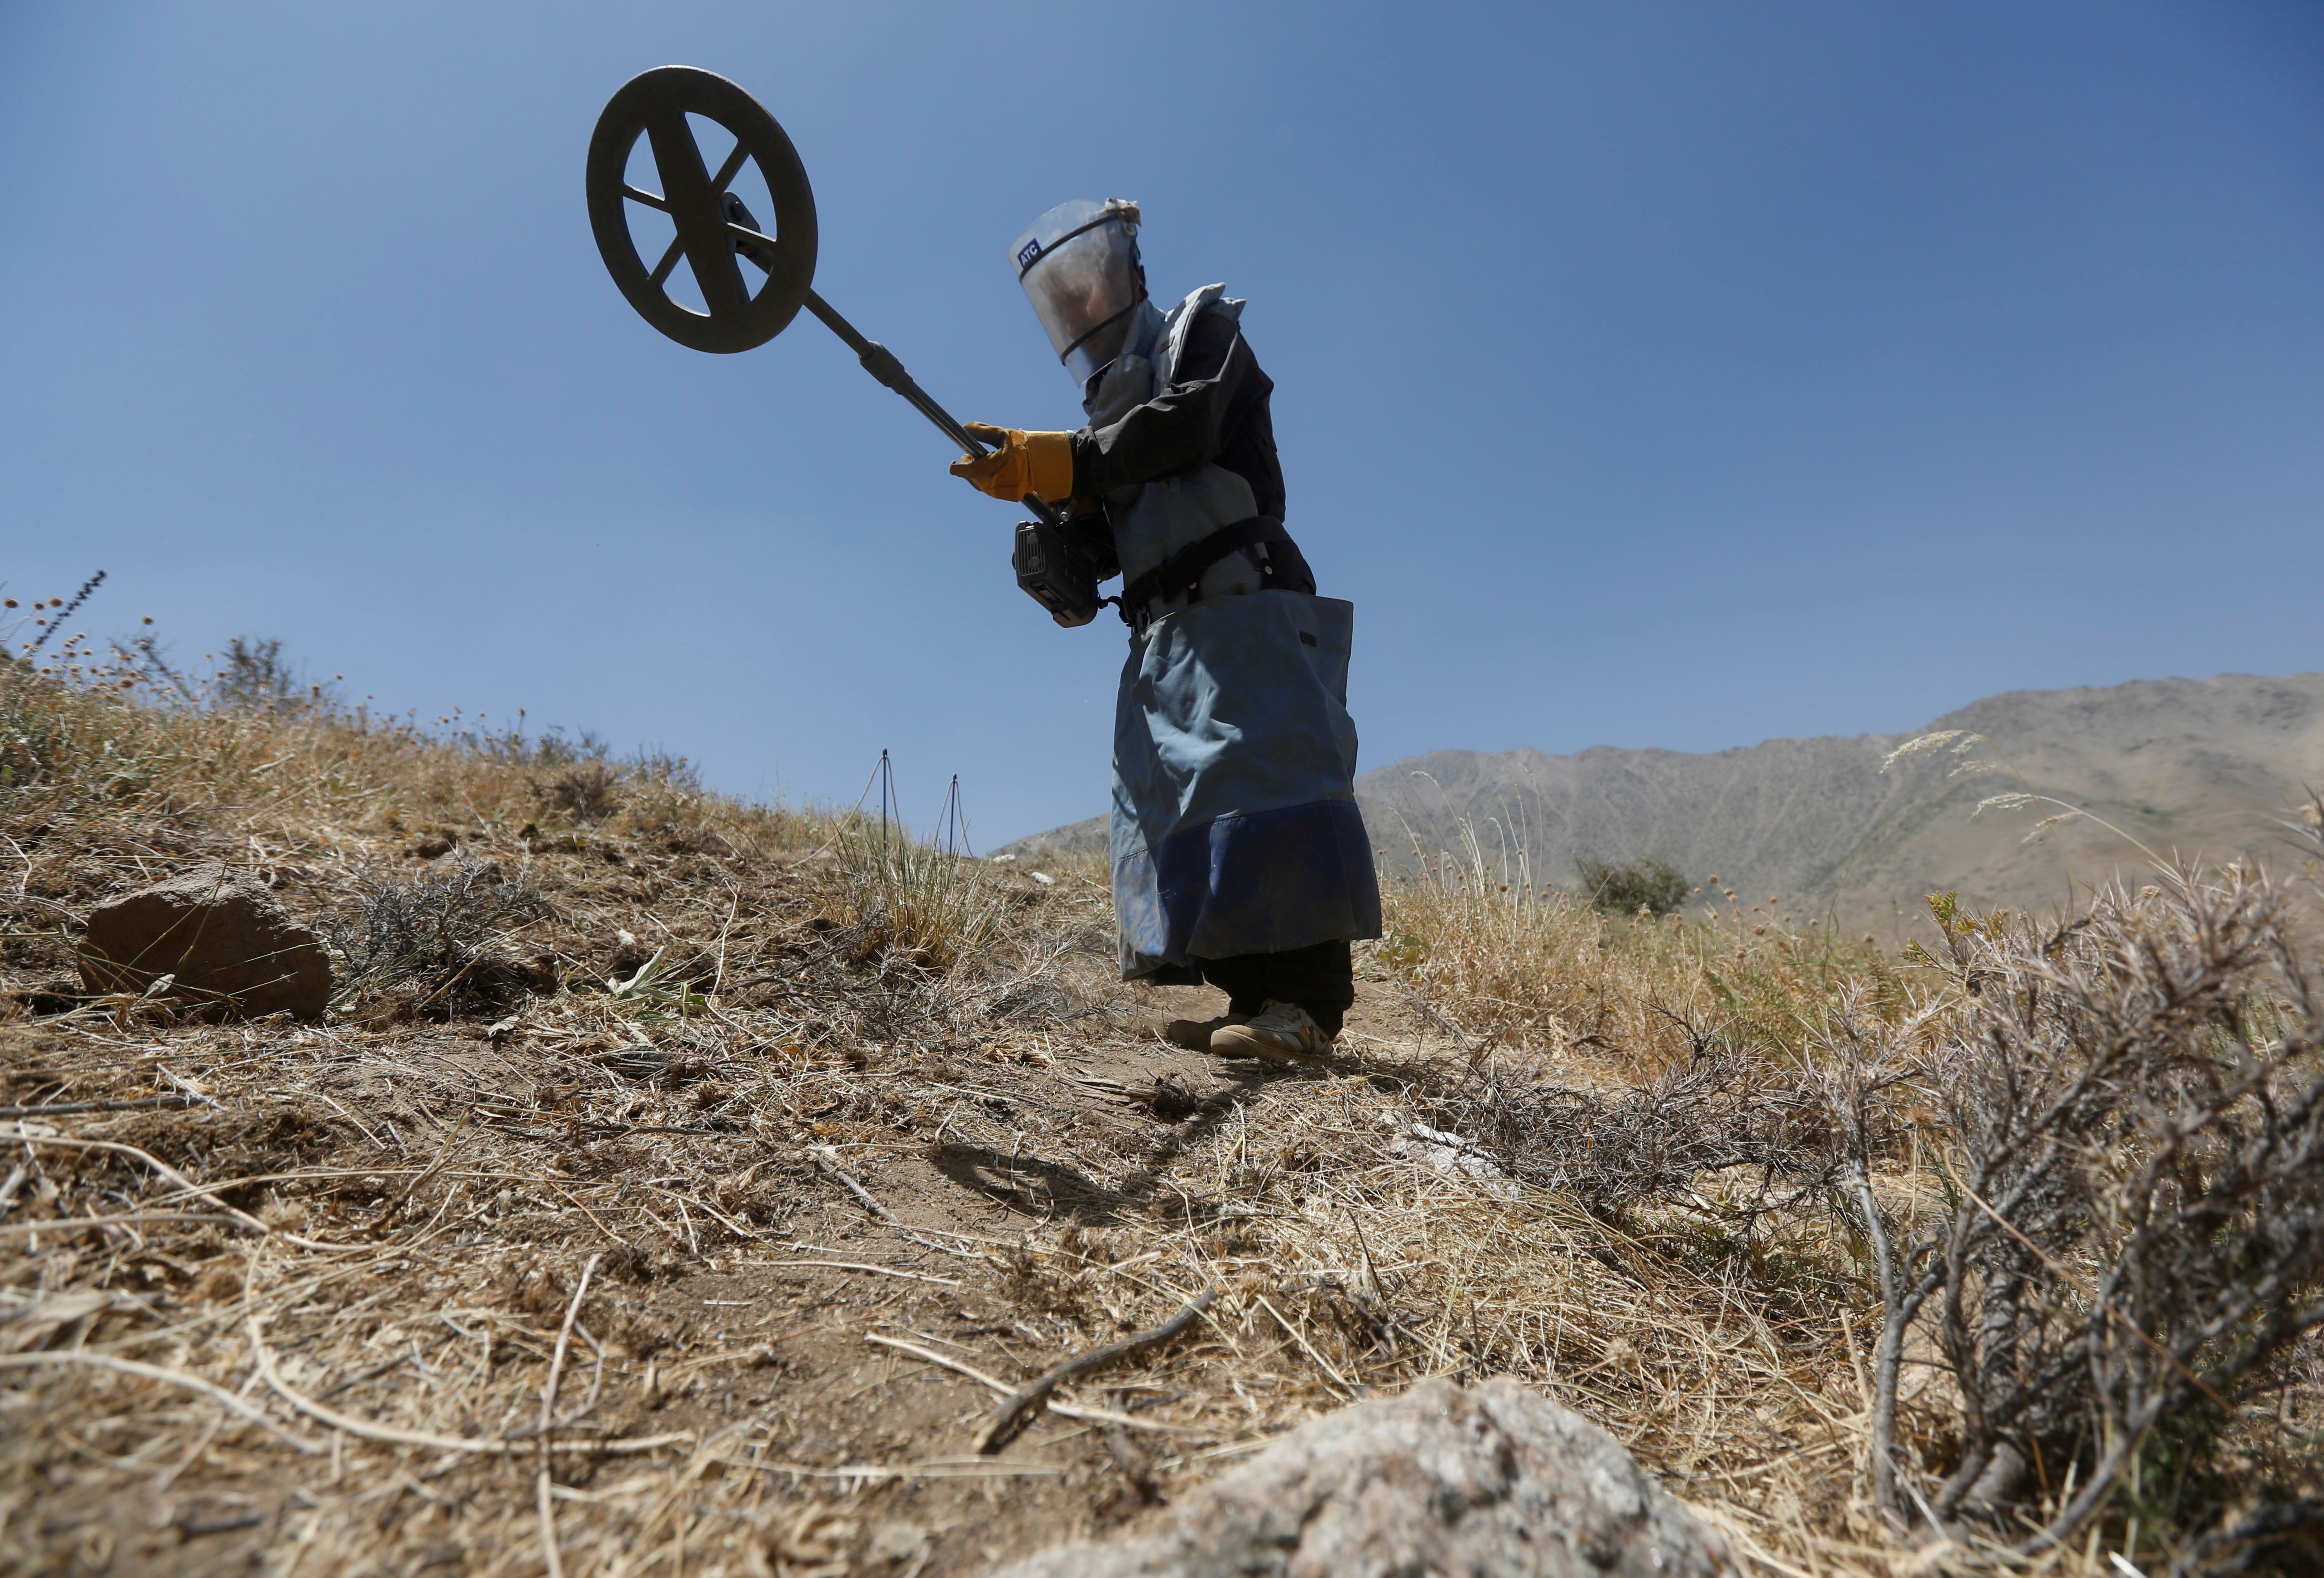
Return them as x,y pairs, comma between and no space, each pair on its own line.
1322,979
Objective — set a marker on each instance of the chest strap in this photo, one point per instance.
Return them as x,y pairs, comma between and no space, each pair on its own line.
1183,571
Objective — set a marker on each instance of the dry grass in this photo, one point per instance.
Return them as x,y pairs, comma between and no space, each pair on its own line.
2072,1169
1505,960
752,1049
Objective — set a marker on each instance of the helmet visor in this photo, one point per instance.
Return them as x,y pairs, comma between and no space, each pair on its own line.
1078,263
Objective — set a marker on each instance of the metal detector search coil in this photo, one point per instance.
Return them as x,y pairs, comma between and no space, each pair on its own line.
655,105
716,232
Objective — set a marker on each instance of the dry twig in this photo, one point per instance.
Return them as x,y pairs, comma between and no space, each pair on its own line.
1011,1417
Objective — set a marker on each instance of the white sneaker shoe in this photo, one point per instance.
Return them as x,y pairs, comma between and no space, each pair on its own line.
1195,1034
1282,1034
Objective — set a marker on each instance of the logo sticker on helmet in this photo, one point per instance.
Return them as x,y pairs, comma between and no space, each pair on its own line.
1032,249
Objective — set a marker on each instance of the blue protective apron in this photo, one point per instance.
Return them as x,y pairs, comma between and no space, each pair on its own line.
1234,827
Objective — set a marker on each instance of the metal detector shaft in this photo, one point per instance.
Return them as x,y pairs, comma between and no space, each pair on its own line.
881,362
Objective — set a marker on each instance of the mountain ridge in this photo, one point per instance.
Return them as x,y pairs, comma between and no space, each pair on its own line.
2183,766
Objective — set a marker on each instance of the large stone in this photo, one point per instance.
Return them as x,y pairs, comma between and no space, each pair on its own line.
1442,1481
234,951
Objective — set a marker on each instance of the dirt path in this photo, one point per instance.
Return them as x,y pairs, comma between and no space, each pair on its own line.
1027,1199
1086,1155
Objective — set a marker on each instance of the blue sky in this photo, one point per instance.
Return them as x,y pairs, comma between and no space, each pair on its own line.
1648,374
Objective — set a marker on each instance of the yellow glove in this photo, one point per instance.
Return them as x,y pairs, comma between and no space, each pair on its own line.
1021,462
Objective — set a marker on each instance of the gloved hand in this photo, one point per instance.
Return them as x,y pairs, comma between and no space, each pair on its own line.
1021,462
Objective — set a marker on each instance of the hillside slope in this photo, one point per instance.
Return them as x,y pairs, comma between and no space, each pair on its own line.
2181,766
776,1141
782,1146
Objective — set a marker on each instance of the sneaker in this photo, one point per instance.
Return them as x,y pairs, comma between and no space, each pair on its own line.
1282,1034
1195,1034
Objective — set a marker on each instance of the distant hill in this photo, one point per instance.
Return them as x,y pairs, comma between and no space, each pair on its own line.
2188,767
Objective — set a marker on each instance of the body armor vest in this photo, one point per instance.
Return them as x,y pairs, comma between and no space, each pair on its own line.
1154,521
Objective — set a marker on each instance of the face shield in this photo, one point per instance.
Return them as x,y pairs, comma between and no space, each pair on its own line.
1079,265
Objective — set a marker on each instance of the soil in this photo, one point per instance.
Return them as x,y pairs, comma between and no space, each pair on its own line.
737,1274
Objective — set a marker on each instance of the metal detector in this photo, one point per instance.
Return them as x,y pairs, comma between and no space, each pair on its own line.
715,229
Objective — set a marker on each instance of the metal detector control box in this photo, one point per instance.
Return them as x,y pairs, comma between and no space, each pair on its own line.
1058,570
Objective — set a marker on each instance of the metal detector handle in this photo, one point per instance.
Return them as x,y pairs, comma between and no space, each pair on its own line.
881,362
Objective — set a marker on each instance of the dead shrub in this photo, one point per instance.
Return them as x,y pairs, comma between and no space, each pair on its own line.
590,791
1725,1110
2086,1171
437,936
2132,1230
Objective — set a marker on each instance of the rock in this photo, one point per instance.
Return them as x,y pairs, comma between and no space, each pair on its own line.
1494,1481
221,933
894,1542
1455,1155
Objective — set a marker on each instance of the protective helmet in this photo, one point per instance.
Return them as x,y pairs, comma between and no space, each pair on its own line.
1079,265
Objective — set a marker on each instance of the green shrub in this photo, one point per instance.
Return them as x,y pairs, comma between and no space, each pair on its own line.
1648,882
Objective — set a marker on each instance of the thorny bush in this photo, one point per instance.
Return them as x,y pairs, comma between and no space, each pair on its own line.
588,791
2086,1174
436,933
1725,1111
2124,1280
2128,1139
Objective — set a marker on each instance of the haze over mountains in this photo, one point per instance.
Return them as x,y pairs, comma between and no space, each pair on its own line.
2183,766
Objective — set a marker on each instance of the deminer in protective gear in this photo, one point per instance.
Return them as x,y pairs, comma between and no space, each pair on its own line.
1238,856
